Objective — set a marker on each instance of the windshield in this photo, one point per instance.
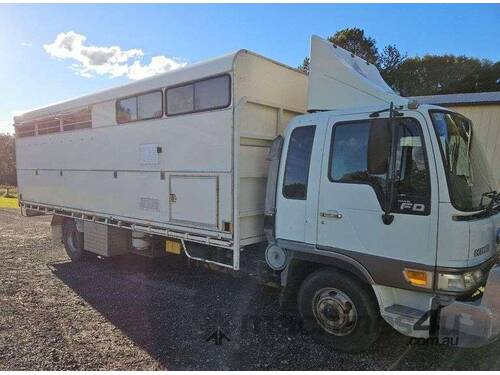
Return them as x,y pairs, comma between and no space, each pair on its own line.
468,172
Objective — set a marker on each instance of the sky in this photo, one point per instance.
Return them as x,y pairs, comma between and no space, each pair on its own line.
50,53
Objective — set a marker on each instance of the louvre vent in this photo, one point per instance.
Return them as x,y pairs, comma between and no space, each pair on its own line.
152,204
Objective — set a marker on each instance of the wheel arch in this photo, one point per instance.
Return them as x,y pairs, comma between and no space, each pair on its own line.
301,264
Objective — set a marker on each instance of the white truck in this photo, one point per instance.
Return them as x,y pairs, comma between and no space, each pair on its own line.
369,207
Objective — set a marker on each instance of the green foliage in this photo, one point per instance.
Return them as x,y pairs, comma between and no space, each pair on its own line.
390,59
448,74
7,160
305,65
428,75
8,191
355,41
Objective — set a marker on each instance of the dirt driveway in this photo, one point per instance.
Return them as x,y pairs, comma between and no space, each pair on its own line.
135,313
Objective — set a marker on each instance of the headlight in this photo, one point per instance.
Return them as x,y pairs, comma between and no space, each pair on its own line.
459,282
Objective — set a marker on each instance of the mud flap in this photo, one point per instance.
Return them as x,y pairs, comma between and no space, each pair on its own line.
473,324
56,227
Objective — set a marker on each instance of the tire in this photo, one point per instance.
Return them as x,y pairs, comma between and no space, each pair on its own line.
73,241
339,310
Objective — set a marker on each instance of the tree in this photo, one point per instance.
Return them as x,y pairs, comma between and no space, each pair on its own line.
389,63
448,74
426,75
305,65
7,160
489,78
355,41
390,59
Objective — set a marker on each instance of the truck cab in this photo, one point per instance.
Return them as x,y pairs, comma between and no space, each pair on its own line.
387,211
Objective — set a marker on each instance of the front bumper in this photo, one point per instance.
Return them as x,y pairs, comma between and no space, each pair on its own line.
476,323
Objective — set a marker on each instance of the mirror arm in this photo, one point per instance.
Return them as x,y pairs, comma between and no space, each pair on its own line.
393,112
387,218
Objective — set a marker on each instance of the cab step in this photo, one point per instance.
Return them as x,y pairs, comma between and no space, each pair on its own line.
406,311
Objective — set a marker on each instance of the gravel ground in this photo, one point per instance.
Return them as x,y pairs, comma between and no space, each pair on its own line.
139,314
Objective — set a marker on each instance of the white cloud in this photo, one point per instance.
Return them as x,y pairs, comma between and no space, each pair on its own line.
158,64
26,44
109,61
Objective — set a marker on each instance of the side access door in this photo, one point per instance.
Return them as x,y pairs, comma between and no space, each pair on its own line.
352,200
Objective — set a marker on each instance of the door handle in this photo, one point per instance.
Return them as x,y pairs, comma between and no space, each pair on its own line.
331,214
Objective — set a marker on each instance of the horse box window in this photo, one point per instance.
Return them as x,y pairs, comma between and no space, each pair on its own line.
150,105
140,107
74,120
49,126
204,95
27,130
126,110
77,120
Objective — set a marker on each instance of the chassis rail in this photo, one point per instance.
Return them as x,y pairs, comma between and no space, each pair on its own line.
127,224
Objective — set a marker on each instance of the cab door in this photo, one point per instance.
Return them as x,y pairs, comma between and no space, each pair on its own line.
351,200
296,194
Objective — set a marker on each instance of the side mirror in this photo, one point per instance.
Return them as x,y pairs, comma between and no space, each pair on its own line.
379,146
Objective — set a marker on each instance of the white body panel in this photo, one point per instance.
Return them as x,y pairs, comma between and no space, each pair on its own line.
213,161
88,159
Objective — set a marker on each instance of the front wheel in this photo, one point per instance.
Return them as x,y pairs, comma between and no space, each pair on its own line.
73,241
339,310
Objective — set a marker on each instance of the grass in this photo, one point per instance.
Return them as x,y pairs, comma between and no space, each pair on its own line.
8,202
8,191
10,187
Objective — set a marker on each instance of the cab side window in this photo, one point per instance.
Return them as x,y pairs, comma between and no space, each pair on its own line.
349,163
411,167
298,160
349,156
349,152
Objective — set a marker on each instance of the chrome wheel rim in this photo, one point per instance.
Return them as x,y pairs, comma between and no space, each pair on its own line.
334,311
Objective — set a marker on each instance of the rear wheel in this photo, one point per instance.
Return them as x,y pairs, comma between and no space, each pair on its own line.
339,310
73,241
